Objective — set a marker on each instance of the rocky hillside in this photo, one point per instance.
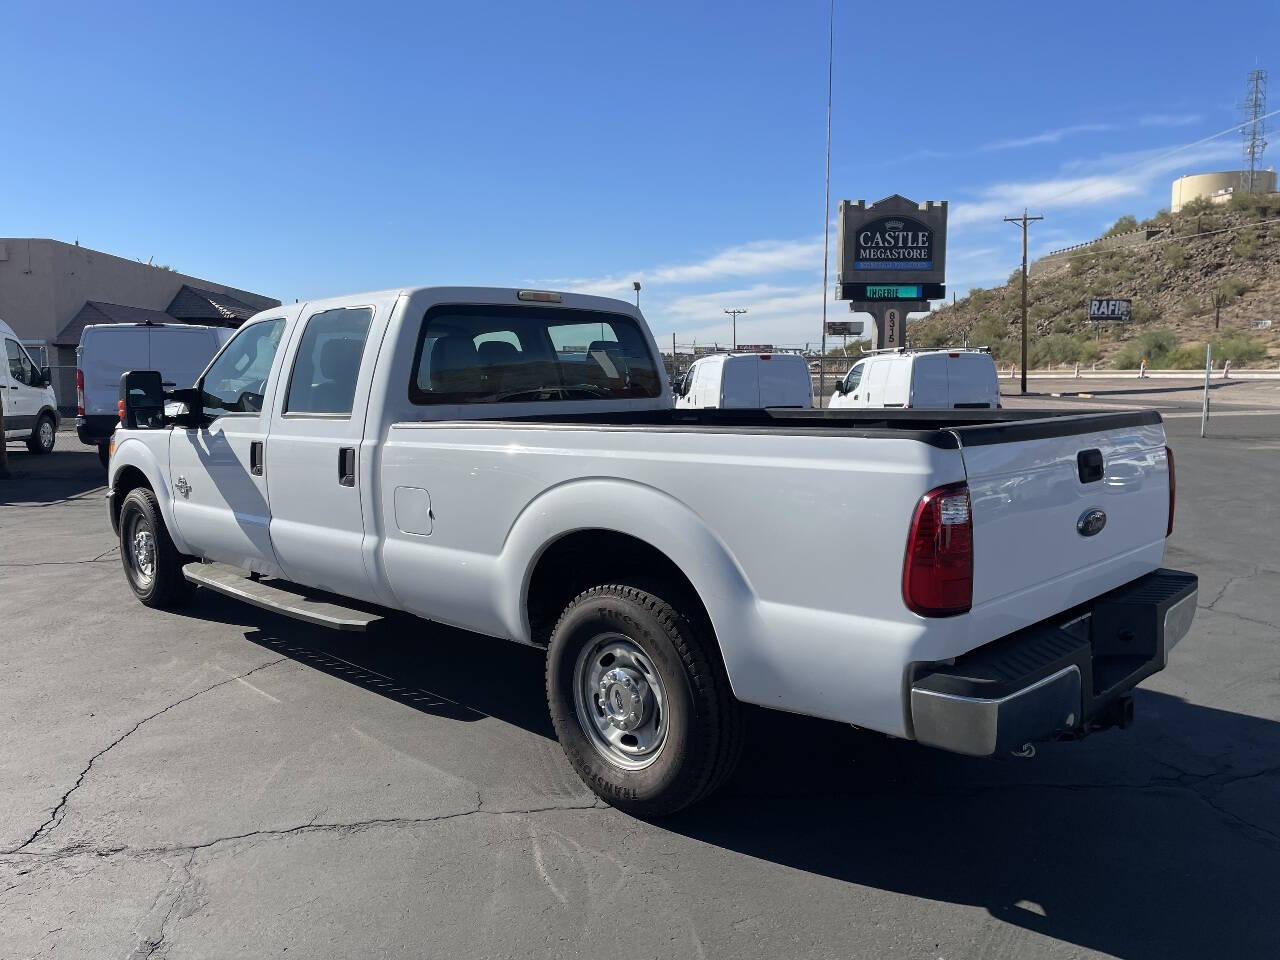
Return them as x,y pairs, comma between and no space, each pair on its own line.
1208,259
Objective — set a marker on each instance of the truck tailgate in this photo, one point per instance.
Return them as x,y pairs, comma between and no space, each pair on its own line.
1064,509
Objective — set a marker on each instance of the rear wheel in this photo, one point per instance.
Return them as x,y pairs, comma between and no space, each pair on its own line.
640,701
43,436
152,564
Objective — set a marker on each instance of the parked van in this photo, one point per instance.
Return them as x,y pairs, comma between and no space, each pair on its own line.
30,410
921,380
747,380
180,351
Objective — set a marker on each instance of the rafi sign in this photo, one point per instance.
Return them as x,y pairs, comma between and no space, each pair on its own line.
1110,308
893,243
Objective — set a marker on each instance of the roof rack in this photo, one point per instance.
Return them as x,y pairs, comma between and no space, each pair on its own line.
867,353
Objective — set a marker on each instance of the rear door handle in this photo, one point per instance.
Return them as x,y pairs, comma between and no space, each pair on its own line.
255,458
347,466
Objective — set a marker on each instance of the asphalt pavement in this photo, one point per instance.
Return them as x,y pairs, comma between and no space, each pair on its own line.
222,782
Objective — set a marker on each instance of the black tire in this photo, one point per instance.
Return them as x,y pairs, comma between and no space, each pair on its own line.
164,585
43,435
104,455
703,735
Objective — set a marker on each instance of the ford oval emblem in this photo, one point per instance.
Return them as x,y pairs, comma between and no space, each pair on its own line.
1091,522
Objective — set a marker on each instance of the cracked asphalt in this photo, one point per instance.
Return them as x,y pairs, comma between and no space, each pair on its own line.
221,782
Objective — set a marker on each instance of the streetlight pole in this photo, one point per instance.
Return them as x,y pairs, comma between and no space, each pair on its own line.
734,313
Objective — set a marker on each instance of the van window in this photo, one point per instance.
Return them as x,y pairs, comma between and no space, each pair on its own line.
237,379
20,366
474,353
328,361
854,377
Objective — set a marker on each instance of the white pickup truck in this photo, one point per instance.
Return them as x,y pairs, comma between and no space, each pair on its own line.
509,462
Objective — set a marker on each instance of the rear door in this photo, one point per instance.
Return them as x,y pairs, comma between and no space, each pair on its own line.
740,383
105,353
315,454
971,381
929,386
181,353
784,381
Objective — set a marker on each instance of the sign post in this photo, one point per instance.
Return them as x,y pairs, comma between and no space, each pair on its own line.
1208,367
892,260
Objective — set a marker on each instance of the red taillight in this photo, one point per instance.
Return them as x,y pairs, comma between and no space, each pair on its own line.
1172,490
937,573
79,392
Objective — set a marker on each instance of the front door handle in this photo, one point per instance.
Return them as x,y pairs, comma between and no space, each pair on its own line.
347,466
255,458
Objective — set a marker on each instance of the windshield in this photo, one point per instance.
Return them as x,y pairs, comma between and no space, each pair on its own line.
492,354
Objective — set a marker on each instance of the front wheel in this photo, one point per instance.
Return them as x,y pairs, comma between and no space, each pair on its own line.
152,564
640,701
43,436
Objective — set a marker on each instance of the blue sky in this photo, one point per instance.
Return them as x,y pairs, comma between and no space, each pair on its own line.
318,149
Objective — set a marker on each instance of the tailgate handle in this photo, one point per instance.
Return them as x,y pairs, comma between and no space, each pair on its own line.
1089,463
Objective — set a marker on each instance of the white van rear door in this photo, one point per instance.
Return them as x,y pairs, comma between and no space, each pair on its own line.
105,353
972,380
929,389
785,381
182,354
740,384
897,384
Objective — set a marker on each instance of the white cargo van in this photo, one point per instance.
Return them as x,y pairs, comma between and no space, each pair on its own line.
747,381
180,351
30,410
921,380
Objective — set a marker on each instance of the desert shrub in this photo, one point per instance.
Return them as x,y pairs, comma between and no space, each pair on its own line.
1230,287
1246,246
1189,356
1082,263
1058,348
1123,225
1175,254
1241,349
1192,306
1153,345
1196,207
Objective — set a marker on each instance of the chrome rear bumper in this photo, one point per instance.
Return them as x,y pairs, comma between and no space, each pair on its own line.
1058,678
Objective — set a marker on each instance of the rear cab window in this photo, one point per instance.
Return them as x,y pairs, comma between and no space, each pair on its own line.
327,362
471,353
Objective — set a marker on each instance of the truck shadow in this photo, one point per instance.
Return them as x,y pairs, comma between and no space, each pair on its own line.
1162,841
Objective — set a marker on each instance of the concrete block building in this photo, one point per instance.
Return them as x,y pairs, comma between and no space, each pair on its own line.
50,291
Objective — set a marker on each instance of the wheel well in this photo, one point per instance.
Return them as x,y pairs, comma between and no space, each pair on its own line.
129,478
588,558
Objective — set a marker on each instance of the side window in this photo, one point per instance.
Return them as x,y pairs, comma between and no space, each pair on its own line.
328,361
854,378
237,379
20,366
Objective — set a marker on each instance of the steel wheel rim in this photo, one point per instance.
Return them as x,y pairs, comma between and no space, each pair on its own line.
140,551
620,700
46,433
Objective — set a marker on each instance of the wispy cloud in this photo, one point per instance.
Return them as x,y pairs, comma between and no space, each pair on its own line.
1047,136
1170,119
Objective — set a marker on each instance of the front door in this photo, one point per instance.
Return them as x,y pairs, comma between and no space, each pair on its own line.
216,472
316,469
22,398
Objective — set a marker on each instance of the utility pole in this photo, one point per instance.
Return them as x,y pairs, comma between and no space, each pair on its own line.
734,313
1024,220
826,206
1254,127
635,285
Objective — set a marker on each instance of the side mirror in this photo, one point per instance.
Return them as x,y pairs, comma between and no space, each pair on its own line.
141,400
185,408
46,376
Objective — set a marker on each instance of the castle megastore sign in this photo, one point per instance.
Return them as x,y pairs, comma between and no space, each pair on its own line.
893,243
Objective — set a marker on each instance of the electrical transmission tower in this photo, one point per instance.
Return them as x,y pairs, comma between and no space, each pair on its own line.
1254,127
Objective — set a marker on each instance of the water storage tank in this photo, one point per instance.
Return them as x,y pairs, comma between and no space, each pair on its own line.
1193,186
